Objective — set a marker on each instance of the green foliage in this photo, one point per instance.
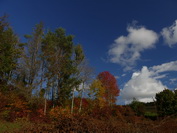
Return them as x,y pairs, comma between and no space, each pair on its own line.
30,63
9,127
5,115
138,107
62,59
9,51
166,102
151,115
41,93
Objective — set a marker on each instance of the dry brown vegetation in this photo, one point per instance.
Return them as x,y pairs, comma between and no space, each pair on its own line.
124,121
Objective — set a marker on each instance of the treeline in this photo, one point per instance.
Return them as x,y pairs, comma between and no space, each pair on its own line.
44,73
165,104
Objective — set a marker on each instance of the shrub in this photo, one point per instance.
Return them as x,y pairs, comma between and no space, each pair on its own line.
58,112
166,102
151,115
138,107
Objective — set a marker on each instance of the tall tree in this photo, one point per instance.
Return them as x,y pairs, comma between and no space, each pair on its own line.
86,76
78,59
31,63
9,50
111,88
97,92
62,58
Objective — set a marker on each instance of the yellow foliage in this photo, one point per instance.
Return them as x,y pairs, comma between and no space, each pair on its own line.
98,92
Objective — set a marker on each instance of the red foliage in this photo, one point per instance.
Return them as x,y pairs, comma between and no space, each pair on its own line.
110,84
3,100
85,104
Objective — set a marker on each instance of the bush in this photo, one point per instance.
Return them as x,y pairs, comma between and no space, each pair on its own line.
58,112
5,115
166,102
151,115
138,107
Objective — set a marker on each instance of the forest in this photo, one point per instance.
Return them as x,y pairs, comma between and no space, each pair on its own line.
47,85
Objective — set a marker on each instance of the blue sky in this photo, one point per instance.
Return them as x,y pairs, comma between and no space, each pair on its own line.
135,40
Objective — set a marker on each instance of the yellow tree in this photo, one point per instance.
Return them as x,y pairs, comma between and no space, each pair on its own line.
97,92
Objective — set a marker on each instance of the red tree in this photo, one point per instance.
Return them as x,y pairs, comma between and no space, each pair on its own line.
110,84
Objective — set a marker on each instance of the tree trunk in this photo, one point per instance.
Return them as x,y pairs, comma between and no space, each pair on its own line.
80,107
72,105
45,106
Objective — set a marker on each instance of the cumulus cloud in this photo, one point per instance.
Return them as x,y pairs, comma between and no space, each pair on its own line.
126,50
144,84
170,34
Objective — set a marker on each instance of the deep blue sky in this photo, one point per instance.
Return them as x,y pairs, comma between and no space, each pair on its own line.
96,24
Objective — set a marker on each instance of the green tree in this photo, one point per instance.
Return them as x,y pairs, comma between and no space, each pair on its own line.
165,102
78,59
9,51
62,58
31,62
175,101
137,106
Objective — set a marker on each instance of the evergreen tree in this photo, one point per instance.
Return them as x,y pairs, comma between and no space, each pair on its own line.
9,51
62,58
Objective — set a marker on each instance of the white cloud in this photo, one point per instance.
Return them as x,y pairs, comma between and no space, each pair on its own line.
173,80
170,66
170,34
126,50
117,77
123,75
144,84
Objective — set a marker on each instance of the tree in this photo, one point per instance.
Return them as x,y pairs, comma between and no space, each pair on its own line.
78,59
31,62
97,92
9,51
111,88
165,102
137,106
85,75
62,58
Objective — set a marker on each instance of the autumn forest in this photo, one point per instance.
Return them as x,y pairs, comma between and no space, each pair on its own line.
48,85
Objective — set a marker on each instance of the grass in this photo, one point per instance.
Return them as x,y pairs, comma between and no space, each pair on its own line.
12,127
151,115
9,127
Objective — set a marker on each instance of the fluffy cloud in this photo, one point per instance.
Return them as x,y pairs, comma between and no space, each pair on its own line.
144,84
126,50
170,34
171,66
